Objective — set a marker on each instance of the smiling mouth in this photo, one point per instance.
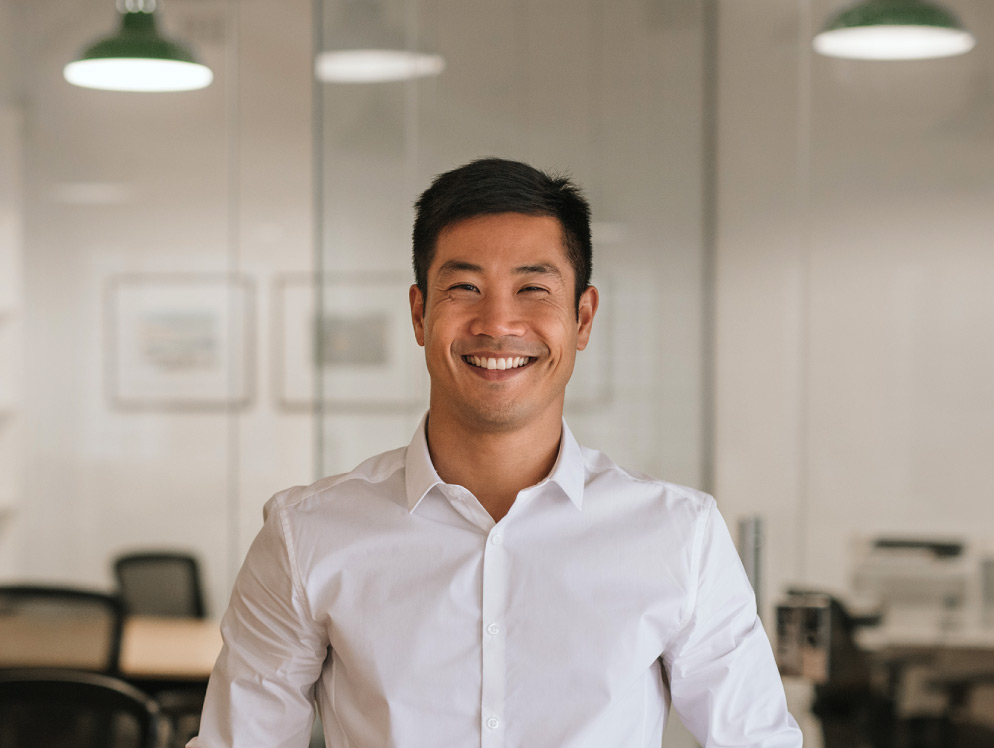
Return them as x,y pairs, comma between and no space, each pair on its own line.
511,362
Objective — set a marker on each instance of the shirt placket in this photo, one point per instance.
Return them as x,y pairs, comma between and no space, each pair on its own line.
492,713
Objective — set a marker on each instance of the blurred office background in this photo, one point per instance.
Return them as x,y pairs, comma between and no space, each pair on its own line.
795,256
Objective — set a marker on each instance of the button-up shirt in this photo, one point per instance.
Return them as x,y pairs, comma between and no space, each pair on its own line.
394,603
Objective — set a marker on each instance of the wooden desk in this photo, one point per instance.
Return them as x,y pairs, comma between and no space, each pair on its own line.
182,649
156,653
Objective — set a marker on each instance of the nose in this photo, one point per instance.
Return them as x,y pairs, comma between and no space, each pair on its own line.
496,315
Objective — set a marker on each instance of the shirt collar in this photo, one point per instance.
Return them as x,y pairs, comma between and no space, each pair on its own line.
419,474
569,471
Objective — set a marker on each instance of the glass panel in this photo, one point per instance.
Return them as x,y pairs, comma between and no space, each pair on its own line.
146,238
854,319
126,371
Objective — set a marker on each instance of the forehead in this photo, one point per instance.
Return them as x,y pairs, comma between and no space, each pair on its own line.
502,239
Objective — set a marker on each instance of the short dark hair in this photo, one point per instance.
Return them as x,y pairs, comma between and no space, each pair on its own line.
495,185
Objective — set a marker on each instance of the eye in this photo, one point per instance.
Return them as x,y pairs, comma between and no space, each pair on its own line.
534,289
463,287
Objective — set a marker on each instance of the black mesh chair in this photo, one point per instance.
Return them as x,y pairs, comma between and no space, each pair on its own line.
160,584
74,709
166,583
59,627
852,709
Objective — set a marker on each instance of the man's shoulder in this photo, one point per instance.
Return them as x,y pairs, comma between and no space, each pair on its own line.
374,471
601,470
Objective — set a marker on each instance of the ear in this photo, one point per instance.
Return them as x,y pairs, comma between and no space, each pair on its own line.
417,313
585,316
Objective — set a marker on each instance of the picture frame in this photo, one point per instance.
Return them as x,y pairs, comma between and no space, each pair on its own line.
179,341
359,355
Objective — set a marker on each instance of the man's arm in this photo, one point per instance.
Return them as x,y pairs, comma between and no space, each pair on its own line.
261,689
723,678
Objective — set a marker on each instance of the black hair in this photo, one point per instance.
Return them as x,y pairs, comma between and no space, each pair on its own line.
495,185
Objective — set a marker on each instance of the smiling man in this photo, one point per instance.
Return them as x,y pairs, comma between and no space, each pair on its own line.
493,583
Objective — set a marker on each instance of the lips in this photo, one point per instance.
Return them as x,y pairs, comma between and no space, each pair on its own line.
500,363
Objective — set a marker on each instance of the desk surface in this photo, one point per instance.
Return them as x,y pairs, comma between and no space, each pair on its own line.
169,648
151,648
897,637
909,632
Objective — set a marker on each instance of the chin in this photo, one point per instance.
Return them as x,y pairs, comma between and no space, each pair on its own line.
500,420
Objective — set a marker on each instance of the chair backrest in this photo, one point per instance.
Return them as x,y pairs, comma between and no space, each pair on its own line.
160,584
59,627
74,709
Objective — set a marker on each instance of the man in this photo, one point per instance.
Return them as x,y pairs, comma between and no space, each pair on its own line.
494,583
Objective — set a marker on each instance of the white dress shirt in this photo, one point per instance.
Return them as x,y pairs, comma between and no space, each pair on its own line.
396,604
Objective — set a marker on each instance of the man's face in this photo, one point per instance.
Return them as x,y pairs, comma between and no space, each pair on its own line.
499,326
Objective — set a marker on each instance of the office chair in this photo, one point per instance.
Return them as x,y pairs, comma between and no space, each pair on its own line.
166,583
74,709
180,709
59,627
852,710
160,584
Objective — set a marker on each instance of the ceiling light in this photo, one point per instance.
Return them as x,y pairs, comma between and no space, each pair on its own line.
893,30
138,58
364,49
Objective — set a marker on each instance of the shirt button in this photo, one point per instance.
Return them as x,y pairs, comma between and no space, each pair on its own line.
493,628
496,539
493,723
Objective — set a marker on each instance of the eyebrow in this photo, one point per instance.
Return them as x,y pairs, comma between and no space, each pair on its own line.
542,268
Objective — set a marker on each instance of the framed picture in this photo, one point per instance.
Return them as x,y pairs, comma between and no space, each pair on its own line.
179,342
357,354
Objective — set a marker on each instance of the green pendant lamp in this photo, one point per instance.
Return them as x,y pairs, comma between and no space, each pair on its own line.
363,48
138,58
893,30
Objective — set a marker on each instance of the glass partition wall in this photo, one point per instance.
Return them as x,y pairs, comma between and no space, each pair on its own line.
138,408
854,319
613,94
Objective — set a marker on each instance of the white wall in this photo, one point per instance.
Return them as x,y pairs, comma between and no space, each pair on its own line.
855,326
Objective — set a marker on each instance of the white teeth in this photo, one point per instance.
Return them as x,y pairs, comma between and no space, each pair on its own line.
501,364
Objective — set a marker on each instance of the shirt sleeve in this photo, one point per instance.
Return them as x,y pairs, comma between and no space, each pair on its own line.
723,678
261,691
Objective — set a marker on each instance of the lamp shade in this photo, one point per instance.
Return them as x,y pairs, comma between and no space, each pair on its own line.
138,58
893,30
363,48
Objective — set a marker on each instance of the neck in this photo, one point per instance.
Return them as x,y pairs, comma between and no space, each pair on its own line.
494,465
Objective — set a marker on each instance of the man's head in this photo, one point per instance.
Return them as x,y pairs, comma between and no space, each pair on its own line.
502,301
490,186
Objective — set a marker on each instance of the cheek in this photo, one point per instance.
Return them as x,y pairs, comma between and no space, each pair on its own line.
436,341
562,332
